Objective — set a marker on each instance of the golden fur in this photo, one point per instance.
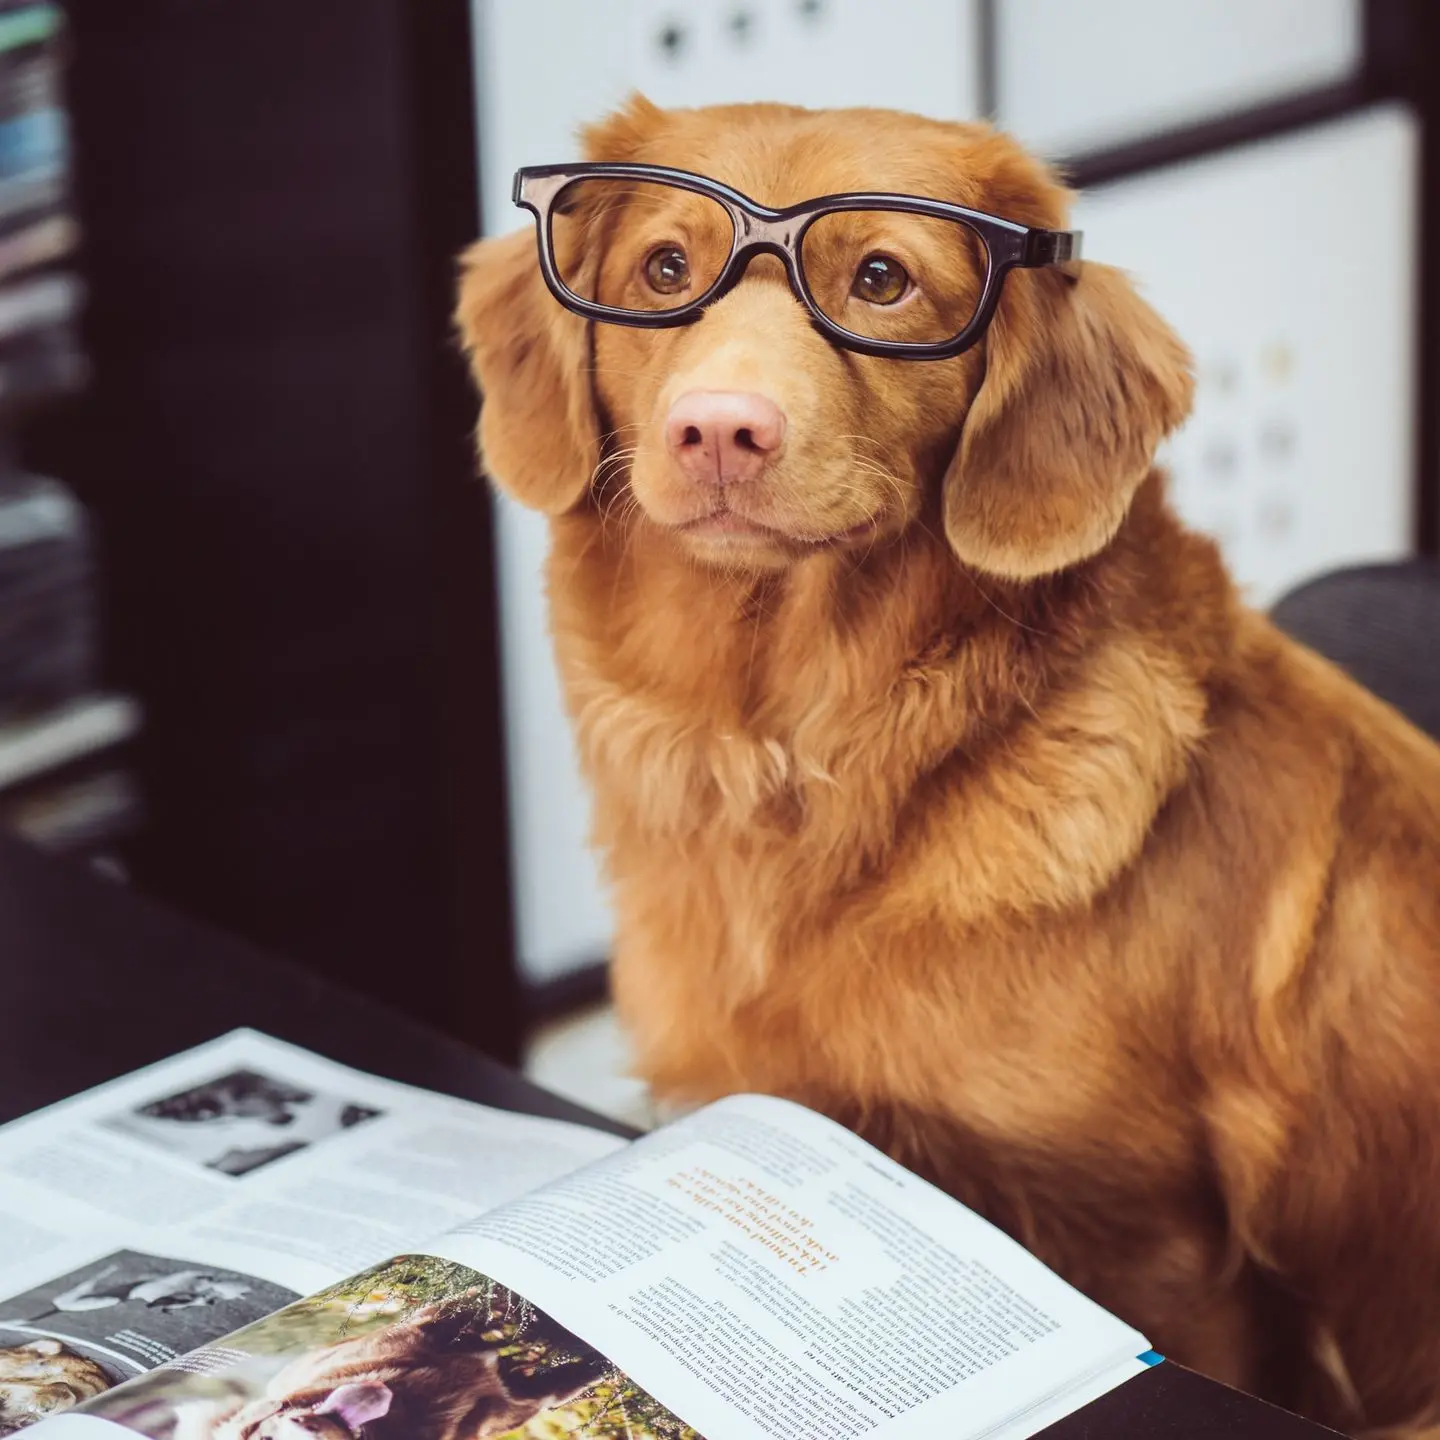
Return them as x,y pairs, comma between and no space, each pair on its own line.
1004,832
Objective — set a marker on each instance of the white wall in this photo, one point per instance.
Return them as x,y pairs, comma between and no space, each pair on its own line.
543,67
1077,75
1288,268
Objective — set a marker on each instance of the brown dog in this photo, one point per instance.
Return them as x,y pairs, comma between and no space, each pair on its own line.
432,1376
946,786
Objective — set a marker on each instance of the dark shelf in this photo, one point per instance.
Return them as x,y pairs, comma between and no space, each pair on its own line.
276,444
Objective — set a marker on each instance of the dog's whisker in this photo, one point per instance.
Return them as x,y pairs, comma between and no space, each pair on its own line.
624,521
607,510
604,473
619,430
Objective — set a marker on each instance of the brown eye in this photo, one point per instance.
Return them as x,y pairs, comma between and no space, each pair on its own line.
880,280
667,271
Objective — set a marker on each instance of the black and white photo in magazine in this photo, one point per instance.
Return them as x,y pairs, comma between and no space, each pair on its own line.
240,1121
76,1335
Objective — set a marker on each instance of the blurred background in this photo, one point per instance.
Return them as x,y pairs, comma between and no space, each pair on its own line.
271,655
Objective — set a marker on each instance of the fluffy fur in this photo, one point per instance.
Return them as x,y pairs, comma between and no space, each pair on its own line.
1002,832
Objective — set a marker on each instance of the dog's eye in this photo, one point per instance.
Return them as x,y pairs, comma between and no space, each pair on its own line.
667,271
880,280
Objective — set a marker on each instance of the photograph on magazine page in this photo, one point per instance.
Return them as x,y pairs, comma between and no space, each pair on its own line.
240,1121
77,1335
416,1349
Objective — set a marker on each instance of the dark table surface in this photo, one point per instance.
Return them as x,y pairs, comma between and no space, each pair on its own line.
100,982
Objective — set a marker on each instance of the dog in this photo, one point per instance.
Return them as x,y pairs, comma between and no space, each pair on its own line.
433,1375
946,786
44,1378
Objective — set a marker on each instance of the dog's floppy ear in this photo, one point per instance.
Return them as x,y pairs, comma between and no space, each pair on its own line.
1082,382
539,440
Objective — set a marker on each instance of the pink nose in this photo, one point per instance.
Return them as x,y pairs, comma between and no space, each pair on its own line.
724,437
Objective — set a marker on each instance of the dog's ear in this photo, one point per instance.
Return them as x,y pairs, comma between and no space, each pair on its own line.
359,1404
538,436
1082,382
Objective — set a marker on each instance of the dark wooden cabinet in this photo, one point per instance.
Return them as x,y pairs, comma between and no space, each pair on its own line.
276,446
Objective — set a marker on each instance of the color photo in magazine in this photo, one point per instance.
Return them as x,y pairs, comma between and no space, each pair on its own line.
417,1349
80,1333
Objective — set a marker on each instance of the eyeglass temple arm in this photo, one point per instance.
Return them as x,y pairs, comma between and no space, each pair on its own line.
1053,247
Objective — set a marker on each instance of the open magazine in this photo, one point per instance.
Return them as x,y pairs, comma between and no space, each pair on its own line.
175,1247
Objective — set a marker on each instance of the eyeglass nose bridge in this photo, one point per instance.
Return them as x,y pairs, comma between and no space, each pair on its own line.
777,235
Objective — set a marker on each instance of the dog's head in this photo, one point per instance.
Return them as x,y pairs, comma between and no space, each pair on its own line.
751,438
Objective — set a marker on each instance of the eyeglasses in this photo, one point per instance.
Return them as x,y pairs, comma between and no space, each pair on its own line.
891,275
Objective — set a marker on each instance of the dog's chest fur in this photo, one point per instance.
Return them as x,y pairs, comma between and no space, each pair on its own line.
785,798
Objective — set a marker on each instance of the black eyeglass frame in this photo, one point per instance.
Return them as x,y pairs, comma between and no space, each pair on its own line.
760,230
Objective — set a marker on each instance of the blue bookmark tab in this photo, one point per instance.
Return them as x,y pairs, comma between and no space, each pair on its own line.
1150,1357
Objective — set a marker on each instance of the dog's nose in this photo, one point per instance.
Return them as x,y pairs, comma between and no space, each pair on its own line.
724,437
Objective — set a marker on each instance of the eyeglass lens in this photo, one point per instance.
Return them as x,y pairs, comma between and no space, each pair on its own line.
638,245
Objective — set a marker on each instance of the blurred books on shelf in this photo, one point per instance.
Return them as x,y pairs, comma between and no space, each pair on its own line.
40,297
33,304
61,785
78,811
38,242
63,781
45,742
26,27
42,364
48,621
34,128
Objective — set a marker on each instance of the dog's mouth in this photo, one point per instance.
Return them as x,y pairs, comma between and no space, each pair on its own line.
724,526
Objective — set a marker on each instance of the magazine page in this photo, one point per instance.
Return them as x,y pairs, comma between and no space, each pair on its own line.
149,1217
753,1270
763,1272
